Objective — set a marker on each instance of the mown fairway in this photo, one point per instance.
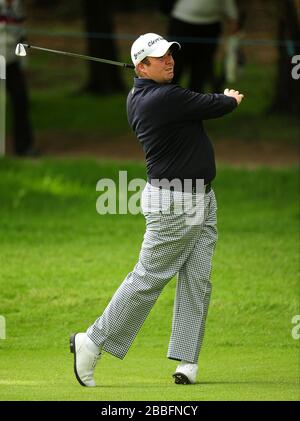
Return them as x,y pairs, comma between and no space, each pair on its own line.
60,262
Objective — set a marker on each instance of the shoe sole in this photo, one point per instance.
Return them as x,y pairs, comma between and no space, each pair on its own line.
73,351
181,378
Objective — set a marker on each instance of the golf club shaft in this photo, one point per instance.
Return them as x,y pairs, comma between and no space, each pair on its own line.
65,53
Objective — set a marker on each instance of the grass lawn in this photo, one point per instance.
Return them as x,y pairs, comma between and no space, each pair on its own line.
60,263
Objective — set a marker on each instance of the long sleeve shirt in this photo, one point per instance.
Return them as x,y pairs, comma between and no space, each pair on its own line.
167,120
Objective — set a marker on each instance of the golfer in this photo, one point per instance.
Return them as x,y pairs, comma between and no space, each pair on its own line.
179,206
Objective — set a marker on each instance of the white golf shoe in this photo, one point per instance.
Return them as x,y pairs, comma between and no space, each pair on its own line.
85,359
186,373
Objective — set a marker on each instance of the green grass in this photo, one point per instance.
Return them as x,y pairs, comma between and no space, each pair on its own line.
61,262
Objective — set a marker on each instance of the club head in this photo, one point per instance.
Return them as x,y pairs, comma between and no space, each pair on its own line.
20,50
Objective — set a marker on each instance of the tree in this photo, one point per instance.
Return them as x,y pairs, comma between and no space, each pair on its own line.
102,78
287,90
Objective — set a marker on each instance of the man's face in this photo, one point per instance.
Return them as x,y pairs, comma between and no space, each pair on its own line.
160,69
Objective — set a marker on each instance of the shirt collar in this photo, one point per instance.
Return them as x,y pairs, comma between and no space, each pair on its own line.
143,83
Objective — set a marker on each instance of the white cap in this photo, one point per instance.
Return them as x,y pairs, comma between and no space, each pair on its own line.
150,45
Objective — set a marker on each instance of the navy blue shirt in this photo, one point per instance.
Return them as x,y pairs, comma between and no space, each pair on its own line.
167,120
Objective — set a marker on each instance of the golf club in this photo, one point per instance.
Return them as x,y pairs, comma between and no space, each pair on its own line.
21,51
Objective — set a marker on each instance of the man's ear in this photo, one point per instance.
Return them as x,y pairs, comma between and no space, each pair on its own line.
140,67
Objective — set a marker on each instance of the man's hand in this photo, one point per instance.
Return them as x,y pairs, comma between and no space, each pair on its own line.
234,94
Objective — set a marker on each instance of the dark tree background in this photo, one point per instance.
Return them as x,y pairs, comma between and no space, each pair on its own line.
102,78
284,15
287,90
97,17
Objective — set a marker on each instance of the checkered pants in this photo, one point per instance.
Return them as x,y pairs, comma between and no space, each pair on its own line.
174,243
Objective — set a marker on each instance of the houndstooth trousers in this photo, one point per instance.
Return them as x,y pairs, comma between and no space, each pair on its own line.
180,238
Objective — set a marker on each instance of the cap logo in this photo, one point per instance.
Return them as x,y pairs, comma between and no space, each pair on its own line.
138,53
154,41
